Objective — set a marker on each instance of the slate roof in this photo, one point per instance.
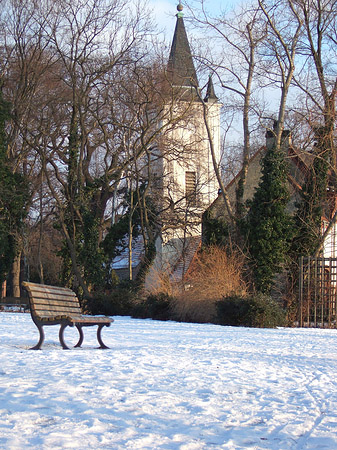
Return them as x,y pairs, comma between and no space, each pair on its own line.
177,272
302,160
210,94
181,68
122,261
193,244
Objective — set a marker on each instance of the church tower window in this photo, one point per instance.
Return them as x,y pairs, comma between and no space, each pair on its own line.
191,188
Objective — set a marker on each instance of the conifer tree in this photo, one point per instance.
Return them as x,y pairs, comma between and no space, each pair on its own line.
269,226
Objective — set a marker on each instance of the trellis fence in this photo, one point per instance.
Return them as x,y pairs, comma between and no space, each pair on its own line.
318,292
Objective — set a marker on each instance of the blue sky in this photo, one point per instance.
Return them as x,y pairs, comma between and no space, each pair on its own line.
165,11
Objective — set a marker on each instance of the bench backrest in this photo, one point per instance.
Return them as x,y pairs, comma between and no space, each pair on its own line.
51,301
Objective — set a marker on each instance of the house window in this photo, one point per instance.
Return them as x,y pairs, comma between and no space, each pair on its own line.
191,187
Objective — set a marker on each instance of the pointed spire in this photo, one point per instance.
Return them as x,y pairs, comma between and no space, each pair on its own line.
210,93
180,66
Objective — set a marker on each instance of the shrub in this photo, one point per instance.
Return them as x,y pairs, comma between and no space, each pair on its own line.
159,282
194,310
156,306
233,311
120,301
266,312
215,273
258,310
269,226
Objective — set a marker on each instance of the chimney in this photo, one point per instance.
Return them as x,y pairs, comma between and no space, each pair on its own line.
285,139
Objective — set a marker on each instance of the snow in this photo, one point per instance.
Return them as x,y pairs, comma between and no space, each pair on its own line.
167,385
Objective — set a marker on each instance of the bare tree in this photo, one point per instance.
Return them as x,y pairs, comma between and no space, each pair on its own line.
320,46
284,30
92,42
156,117
238,35
24,63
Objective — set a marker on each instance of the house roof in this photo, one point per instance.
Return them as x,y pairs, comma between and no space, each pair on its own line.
302,160
192,245
179,269
122,261
181,68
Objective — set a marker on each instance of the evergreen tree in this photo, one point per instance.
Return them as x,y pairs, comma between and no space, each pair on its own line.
268,225
13,197
215,231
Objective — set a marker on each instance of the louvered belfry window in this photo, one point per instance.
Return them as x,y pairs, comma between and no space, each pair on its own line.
191,187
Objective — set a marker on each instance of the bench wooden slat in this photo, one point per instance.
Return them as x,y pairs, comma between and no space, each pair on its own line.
47,302
90,319
59,295
51,317
57,298
76,320
44,303
60,300
47,288
57,309
48,305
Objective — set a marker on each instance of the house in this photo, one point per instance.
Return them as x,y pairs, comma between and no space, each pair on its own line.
315,292
299,164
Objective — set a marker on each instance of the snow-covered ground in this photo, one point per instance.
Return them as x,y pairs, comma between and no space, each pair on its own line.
166,385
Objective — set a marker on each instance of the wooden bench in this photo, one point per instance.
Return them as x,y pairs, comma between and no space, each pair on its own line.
51,305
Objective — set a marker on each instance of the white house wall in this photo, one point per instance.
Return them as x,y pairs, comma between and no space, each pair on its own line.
329,248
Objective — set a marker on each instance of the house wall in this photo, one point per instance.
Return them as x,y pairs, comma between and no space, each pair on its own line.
185,148
253,177
218,208
329,248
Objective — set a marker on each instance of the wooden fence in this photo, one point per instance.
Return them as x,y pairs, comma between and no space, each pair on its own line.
318,292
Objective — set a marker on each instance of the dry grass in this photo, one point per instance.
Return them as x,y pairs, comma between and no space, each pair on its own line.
216,274
159,282
213,275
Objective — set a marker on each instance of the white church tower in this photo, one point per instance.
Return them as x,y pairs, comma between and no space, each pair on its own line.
186,163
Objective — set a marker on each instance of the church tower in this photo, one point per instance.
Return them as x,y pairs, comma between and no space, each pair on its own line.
181,170
186,166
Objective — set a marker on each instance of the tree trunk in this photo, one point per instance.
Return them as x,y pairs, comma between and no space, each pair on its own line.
130,237
41,274
16,271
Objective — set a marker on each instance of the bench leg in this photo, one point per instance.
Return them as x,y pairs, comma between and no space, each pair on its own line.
99,338
79,343
38,345
62,328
